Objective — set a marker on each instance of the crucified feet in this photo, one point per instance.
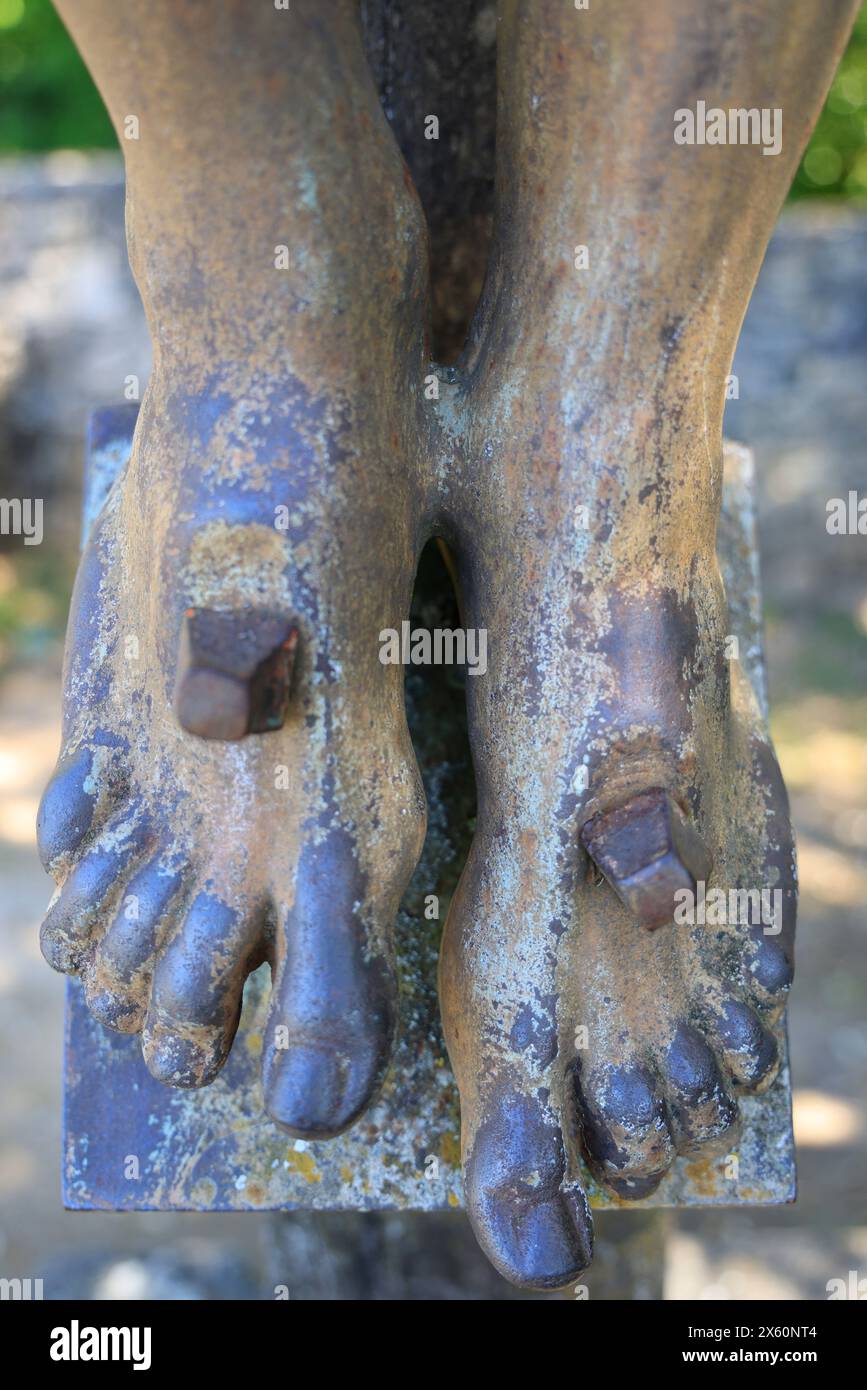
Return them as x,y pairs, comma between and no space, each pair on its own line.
237,783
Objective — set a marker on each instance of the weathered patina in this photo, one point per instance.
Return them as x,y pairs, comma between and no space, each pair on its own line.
317,413
216,1149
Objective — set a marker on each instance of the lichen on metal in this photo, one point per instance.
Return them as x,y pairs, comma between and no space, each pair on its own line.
376,332
216,1150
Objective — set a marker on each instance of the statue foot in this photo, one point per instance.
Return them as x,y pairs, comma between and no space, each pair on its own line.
611,1006
672,1025
237,782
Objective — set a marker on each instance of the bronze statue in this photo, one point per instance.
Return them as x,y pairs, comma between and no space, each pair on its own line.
237,782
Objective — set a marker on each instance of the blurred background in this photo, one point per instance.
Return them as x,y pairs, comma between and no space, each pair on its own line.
71,335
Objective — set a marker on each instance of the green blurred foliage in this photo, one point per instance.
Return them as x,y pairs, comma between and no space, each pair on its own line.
835,163
48,102
47,99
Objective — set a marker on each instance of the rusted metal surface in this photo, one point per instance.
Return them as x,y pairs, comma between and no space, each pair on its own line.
570,458
234,672
216,1149
649,853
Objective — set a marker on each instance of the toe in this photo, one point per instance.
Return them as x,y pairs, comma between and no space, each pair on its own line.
533,1224
334,1004
748,1050
67,810
701,1111
500,1003
118,977
769,971
197,988
769,957
316,1090
621,1113
93,883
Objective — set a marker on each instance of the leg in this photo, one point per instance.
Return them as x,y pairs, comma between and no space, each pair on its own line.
596,395
272,473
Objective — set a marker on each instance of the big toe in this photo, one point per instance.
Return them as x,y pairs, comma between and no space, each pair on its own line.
531,1221
316,1090
334,1005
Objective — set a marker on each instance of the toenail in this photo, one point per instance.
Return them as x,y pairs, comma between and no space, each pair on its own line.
649,853
234,672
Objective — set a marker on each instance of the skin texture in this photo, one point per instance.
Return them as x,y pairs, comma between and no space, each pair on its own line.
572,462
